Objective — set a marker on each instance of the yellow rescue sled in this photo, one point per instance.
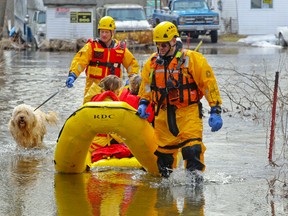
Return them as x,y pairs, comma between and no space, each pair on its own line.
108,117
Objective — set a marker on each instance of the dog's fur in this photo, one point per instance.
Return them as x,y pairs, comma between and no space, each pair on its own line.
28,127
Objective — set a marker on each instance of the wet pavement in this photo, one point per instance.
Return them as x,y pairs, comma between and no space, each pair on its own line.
236,180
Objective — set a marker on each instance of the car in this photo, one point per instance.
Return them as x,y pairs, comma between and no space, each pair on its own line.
282,35
130,20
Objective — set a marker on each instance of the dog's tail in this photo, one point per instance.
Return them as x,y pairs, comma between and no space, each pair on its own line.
52,118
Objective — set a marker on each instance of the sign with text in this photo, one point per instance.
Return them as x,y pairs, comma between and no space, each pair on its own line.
267,1
62,12
80,17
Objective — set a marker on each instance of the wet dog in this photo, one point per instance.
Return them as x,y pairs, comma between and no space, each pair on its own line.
28,127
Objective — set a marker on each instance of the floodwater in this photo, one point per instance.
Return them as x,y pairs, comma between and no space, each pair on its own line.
236,180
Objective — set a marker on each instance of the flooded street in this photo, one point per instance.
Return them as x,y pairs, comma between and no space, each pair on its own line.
237,176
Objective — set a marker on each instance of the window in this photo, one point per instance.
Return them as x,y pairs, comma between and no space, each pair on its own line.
259,4
127,14
150,6
185,5
42,17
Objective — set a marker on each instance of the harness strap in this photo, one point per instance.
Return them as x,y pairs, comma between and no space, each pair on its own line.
191,86
182,87
180,76
171,118
106,64
160,101
111,65
163,92
180,61
189,96
180,145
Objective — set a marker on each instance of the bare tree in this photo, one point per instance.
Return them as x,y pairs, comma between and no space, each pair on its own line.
251,95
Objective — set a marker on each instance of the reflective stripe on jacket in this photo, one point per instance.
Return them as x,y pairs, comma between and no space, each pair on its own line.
105,61
174,83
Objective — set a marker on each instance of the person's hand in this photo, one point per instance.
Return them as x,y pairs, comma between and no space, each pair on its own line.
127,82
142,109
215,120
71,79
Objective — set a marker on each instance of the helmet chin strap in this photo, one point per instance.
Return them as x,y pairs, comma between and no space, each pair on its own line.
162,56
171,47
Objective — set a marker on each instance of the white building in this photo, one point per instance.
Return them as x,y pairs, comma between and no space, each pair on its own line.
253,17
68,20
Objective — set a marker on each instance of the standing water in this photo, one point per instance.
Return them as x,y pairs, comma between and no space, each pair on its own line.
237,176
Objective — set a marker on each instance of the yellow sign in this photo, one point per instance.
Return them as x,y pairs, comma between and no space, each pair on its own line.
73,17
267,1
80,17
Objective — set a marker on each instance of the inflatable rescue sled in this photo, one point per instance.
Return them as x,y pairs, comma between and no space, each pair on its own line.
108,117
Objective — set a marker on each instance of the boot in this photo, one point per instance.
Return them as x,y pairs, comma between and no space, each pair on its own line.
192,155
164,162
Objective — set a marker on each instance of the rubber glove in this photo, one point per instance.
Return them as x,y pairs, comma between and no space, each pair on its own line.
142,109
215,120
127,82
71,79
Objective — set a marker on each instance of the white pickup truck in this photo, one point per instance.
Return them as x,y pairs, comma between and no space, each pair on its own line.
131,23
282,35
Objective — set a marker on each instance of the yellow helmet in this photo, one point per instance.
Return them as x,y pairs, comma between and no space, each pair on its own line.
165,32
107,22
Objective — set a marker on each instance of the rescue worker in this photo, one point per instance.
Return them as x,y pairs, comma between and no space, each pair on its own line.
101,57
175,79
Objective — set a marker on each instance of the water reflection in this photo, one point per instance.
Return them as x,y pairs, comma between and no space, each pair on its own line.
24,176
180,200
116,193
29,186
24,169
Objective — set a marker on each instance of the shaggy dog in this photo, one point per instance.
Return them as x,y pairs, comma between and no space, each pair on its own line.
28,127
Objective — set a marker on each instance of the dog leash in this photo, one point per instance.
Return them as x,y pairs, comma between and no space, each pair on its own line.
48,99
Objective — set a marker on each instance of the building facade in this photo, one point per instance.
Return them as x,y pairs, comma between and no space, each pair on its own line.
252,17
70,20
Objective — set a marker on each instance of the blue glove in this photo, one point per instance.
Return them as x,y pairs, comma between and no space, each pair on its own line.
215,120
70,80
142,109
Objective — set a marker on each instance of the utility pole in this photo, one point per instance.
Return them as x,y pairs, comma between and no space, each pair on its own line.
2,16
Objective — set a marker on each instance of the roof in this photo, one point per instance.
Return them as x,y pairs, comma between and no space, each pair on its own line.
71,2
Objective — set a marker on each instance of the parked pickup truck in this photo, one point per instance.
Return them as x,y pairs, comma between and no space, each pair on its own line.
281,35
130,20
192,17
